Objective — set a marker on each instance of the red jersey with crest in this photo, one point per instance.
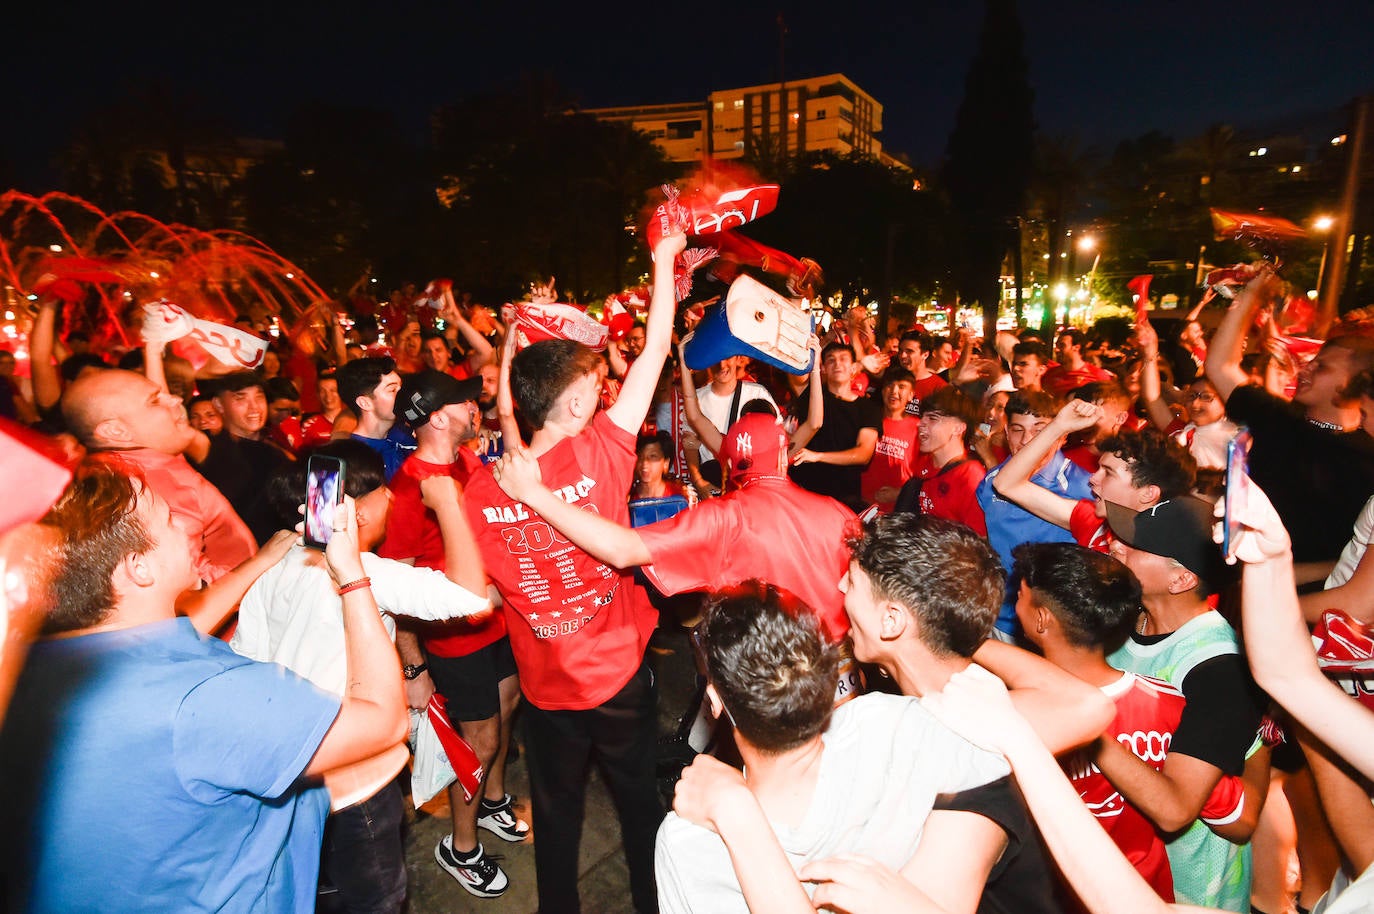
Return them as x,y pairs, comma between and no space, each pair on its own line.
951,492
578,627
1147,713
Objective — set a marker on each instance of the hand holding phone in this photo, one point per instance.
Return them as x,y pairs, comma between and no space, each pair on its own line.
324,494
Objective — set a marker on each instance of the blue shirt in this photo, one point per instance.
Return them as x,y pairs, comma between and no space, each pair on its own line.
398,444
153,769
1010,525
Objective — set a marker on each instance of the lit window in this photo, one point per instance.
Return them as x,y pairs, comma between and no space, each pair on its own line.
1297,168
720,106
1338,140
739,103
1263,150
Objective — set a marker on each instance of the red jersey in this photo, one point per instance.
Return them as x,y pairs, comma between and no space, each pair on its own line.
578,627
1088,529
952,491
769,528
413,533
1147,713
893,460
1084,456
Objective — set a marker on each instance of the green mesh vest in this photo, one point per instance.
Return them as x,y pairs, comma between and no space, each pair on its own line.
1208,870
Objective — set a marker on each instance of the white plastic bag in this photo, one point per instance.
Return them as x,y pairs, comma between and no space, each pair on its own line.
430,770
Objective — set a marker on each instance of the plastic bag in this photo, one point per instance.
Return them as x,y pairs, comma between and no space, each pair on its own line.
441,755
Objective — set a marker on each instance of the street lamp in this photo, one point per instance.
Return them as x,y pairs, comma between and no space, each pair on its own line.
1089,243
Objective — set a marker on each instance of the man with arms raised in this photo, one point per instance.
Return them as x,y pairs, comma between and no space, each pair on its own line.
580,629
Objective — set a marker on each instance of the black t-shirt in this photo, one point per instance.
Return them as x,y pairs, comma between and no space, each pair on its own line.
839,431
1318,480
240,468
1020,881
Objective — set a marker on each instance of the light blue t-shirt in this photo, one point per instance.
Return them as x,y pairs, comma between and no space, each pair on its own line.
1010,525
152,769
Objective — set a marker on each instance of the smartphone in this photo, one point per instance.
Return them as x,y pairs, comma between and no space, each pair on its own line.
1237,488
324,493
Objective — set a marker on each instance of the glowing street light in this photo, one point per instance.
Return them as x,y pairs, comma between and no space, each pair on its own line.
1323,223
1087,243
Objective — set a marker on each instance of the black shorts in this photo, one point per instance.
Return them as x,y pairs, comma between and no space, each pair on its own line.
470,683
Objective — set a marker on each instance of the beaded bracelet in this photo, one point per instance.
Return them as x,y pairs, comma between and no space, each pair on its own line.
355,585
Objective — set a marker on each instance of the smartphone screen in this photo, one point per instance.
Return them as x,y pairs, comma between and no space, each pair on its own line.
1237,488
324,491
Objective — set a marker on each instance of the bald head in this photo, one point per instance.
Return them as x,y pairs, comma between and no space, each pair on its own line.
115,409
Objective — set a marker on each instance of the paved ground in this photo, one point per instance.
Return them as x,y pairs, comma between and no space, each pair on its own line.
604,878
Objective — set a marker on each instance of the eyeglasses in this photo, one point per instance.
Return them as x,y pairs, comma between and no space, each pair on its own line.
1200,395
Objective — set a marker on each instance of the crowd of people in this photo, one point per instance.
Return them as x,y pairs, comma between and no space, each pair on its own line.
959,606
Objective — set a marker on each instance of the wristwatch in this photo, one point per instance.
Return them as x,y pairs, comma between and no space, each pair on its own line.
413,670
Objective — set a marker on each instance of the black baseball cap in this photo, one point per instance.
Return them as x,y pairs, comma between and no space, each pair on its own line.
426,392
1179,529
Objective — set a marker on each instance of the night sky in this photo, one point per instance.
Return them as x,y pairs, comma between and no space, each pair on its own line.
1101,70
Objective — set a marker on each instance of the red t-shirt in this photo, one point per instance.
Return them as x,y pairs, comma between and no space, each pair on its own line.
413,533
893,460
1084,456
952,492
578,627
1088,529
922,389
1147,713
770,528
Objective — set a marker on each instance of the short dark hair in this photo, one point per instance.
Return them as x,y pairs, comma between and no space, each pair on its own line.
953,402
1074,334
73,365
1032,347
758,405
235,382
1101,392
542,371
364,473
98,526
775,672
1038,403
661,438
281,389
1155,459
895,374
946,576
836,346
1093,596
360,377
913,336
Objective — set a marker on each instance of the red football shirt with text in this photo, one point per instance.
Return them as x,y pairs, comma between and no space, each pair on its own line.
893,460
578,627
951,492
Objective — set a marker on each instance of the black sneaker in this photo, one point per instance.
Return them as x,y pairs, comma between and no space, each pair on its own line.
500,819
479,873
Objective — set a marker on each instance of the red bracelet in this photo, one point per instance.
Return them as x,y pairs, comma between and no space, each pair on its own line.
355,585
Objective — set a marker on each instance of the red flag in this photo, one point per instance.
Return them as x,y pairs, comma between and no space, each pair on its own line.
465,763
1141,287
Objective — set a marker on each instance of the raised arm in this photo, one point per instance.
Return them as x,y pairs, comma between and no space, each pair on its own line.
815,404
462,560
43,373
1150,391
505,403
480,350
1277,643
517,472
1063,710
1228,343
637,392
706,431
372,717
153,368
1014,482
211,606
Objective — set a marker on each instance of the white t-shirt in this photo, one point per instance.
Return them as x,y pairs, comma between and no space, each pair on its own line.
885,761
1354,550
717,408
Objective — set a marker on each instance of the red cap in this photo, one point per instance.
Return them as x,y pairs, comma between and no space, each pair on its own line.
752,445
